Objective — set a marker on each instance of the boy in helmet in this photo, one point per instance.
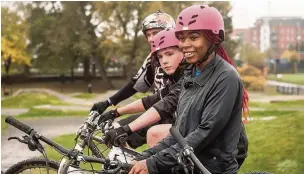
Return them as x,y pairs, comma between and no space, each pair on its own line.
149,75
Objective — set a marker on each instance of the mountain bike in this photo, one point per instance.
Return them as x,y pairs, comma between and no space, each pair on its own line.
72,157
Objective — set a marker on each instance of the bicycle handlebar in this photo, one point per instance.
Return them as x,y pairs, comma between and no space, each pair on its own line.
28,130
17,124
182,142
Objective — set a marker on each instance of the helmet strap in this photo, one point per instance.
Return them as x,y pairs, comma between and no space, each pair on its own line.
213,47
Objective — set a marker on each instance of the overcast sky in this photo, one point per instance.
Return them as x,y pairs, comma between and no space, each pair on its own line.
245,12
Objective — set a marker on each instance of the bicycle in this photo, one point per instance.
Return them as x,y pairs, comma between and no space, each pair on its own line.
72,157
186,158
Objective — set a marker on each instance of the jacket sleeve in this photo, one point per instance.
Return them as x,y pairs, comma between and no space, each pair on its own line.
168,104
216,113
144,78
150,100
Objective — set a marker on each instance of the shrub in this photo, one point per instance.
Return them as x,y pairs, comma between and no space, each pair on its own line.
252,78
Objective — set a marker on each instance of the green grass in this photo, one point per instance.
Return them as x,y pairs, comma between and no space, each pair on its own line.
290,78
85,95
276,113
276,146
28,100
141,95
278,104
36,113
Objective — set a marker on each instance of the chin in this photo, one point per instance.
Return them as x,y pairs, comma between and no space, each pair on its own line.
169,72
191,60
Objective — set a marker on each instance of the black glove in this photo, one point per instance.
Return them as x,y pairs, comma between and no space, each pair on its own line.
100,107
112,114
117,136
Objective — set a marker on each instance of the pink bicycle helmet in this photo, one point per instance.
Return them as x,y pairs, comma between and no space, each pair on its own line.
164,39
200,17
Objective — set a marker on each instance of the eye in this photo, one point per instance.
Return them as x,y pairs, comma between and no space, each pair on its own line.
193,37
159,57
169,53
181,38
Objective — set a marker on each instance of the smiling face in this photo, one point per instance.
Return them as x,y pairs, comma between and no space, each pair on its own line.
193,44
169,59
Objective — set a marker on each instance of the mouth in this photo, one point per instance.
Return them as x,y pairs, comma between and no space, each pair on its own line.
167,68
189,54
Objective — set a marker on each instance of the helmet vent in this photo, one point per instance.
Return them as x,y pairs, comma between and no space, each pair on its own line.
202,7
191,22
181,18
194,16
181,23
161,42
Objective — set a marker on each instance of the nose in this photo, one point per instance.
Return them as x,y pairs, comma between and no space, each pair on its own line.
150,38
165,60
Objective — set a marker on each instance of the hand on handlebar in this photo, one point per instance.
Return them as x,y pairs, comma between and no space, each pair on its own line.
100,107
111,115
116,137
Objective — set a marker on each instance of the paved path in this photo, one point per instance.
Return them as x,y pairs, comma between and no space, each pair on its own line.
12,151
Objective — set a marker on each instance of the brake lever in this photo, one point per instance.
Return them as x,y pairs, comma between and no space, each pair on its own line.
25,140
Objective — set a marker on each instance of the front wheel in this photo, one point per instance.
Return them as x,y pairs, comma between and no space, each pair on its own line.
33,166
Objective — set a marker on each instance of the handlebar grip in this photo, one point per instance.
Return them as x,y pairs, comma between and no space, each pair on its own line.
17,124
126,166
179,138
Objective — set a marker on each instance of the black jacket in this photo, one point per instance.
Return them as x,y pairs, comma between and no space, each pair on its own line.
209,114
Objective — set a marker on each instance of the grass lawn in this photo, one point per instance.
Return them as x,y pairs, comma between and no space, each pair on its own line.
278,104
290,78
36,113
28,100
276,146
85,95
141,95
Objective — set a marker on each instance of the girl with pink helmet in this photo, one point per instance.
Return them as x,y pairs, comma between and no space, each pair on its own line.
211,99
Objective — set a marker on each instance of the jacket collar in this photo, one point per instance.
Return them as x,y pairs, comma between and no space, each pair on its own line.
207,72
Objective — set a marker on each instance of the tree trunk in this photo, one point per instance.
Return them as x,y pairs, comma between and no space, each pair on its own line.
94,40
26,70
86,67
295,67
134,46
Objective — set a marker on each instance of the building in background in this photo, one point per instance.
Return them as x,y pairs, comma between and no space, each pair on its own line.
274,34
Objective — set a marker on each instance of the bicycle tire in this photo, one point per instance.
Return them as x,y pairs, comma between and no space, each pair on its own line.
258,173
32,164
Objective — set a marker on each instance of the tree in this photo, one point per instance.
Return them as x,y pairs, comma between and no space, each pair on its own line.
13,39
252,56
292,56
